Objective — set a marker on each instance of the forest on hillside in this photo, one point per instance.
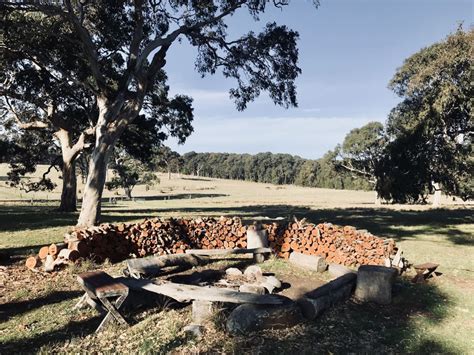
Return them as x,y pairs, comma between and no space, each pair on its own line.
272,168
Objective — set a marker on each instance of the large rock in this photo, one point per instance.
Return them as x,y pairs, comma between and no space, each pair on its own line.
253,271
247,318
310,262
374,283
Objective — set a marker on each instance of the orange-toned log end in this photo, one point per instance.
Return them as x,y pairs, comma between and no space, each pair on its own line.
32,262
43,252
53,249
285,247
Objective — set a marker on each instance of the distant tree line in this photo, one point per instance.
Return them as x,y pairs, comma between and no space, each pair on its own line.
272,168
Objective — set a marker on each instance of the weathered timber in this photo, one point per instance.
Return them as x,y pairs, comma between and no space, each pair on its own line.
310,262
186,293
337,270
154,265
257,237
313,307
202,311
332,286
228,251
374,283
49,263
251,288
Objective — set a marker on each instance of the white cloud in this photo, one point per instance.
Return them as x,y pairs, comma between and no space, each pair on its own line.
309,137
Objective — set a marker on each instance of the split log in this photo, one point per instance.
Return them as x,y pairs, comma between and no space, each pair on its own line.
310,262
55,248
43,252
68,254
33,262
49,263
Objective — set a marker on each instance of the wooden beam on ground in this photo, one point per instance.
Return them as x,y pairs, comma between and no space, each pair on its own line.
186,293
228,251
153,265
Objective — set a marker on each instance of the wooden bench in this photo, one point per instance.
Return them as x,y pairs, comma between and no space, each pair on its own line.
423,271
100,287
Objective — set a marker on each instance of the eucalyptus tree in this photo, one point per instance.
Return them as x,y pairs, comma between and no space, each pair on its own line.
431,130
362,150
121,48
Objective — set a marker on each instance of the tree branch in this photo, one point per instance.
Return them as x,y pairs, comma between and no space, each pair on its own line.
88,44
28,125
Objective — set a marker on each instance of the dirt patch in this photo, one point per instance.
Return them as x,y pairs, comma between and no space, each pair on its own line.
295,286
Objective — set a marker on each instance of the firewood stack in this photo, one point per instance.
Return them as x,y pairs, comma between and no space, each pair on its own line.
341,245
212,233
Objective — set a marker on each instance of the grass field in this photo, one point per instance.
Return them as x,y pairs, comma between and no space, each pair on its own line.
437,317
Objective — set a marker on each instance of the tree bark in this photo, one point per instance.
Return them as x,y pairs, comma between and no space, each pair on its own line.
128,192
91,200
69,189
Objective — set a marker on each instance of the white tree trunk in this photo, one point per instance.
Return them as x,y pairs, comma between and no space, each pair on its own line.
437,195
91,200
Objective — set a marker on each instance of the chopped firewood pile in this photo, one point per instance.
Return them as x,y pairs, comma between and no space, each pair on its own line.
343,245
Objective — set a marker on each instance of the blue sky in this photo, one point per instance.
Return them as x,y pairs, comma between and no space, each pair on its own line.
349,50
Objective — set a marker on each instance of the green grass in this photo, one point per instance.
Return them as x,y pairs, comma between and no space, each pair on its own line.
437,317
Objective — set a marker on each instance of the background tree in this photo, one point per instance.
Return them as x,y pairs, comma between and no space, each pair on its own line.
362,151
36,100
129,172
431,130
122,52
167,159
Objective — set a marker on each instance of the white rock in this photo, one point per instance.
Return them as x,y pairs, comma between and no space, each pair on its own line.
233,271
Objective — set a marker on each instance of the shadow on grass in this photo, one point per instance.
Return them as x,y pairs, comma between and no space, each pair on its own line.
8,310
32,344
361,328
346,328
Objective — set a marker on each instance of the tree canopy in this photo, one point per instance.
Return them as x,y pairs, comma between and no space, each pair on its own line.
431,129
106,60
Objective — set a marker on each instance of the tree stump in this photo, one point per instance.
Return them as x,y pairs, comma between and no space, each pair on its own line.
374,284
202,311
257,238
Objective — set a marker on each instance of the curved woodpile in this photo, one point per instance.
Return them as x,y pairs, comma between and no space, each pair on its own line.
343,245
